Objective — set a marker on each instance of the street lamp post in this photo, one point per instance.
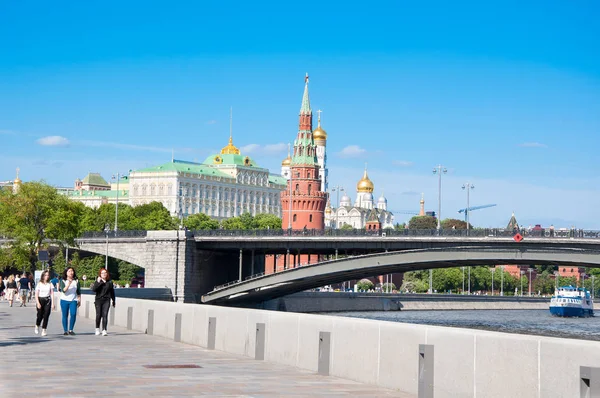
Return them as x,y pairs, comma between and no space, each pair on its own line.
529,270
430,281
593,292
106,230
468,186
439,170
463,289
469,281
556,277
337,189
522,273
502,280
493,270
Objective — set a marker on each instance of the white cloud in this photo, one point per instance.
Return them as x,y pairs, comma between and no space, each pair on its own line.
402,163
269,149
53,140
352,151
533,145
132,147
211,122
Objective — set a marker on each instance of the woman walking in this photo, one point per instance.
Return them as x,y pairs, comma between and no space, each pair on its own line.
44,301
70,298
11,289
2,287
105,292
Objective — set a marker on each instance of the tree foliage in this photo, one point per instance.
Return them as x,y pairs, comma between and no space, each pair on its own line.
247,221
450,223
364,285
200,221
422,222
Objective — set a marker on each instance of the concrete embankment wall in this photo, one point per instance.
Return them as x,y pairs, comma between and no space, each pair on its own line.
346,301
148,293
468,363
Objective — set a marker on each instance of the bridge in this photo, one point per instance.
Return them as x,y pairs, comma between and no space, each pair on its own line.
264,287
192,263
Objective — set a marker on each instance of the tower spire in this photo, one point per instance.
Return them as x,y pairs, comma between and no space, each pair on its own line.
422,203
305,108
231,125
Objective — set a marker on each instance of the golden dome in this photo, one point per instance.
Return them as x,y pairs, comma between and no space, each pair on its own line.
287,161
319,134
17,180
328,210
365,184
230,149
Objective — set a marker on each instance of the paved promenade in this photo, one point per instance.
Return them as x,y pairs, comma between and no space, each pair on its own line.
117,365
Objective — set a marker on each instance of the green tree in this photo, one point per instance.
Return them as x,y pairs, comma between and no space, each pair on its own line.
153,216
544,283
447,279
448,223
400,227
233,223
364,285
127,271
267,221
422,222
36,213
200,221
346,227
388,287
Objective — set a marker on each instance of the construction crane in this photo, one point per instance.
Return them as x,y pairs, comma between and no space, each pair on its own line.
466,211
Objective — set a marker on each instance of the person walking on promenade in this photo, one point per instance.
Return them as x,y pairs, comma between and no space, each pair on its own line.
24,286
70,298
31,288
2,287
44,301
105,292
11,289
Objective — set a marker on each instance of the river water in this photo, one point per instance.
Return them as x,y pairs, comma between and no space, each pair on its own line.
537,322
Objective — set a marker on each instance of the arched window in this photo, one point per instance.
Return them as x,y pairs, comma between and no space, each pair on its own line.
309,174
294,218
297,187
310,218
309,188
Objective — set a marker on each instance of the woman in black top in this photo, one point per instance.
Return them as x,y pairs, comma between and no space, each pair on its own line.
105,292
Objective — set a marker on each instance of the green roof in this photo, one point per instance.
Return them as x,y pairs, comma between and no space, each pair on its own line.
94,179
187,167
275,179
229,159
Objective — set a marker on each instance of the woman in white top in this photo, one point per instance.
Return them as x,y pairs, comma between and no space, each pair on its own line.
70,298
43,298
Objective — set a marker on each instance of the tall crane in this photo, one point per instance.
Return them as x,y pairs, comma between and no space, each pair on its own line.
466,211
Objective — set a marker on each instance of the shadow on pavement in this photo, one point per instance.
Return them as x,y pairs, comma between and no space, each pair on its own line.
23,341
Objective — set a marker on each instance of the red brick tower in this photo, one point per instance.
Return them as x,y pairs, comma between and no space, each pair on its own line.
308,202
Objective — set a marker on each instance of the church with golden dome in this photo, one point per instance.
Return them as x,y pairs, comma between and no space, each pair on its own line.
365,213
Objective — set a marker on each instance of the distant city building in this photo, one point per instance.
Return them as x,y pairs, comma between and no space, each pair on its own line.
225,185
365,213
13,185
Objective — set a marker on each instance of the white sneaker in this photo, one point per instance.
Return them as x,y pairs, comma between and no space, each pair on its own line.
44,332
104,333
37,330
97,332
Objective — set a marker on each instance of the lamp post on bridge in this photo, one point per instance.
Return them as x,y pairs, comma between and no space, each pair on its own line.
529,270
439,170
430,281
493,270
337,190
468,186
469,281
463,287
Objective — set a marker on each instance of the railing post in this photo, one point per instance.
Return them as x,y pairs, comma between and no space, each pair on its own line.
129,318
425,371
589,382
177,332
212,333
324,353
150,327
259,349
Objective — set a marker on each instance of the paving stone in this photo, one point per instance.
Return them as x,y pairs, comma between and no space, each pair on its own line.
86,365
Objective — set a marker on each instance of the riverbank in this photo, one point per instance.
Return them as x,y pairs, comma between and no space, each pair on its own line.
309,302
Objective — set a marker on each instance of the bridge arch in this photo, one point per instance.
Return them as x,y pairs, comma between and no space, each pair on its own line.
299,279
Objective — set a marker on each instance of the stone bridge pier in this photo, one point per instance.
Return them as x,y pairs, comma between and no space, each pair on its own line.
171,259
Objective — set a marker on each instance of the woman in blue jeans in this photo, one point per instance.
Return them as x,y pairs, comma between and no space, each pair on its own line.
70,298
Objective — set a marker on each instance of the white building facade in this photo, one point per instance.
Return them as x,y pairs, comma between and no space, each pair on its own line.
364,209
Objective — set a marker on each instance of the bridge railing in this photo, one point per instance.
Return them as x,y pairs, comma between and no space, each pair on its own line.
473,233
478,232
113,234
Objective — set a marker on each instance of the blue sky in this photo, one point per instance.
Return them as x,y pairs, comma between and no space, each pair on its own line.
506,96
